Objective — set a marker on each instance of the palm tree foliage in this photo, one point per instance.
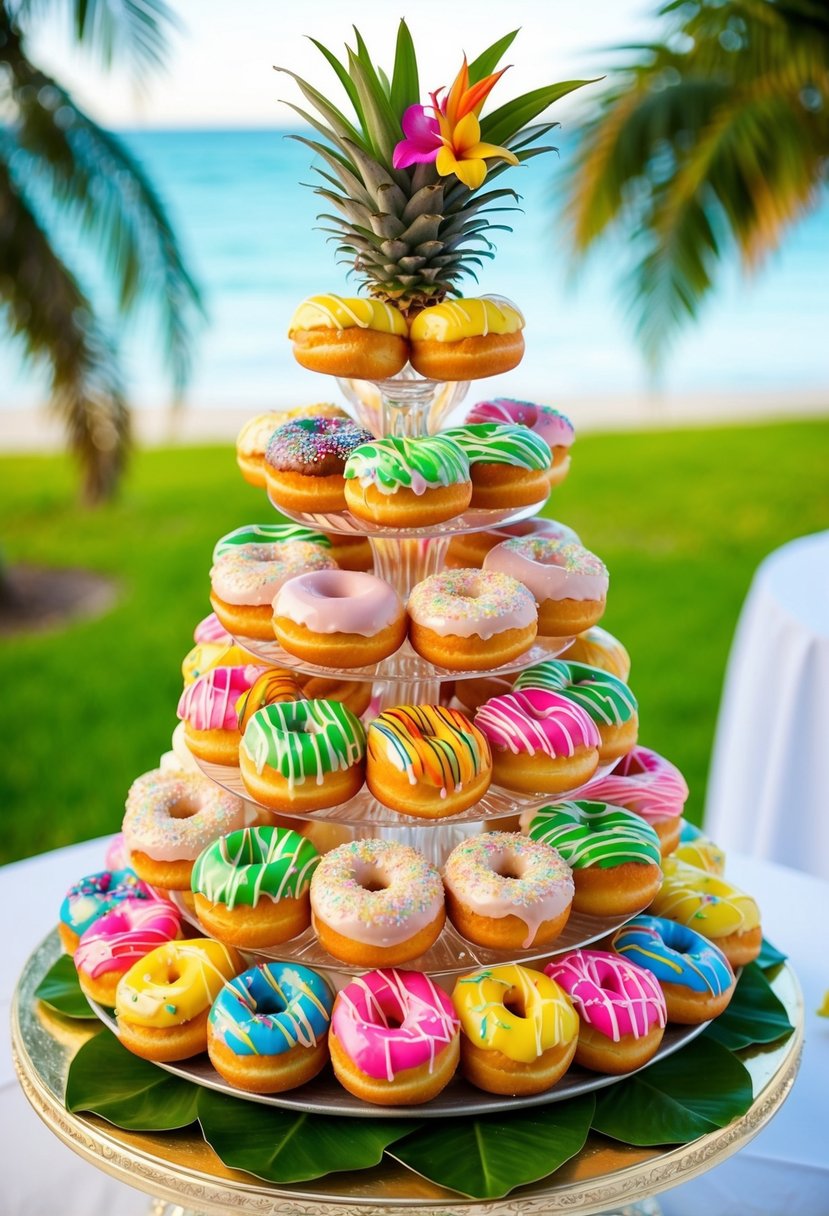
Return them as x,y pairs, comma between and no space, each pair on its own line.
56,161
712,141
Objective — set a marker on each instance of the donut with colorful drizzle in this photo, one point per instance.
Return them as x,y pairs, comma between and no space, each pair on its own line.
620,1006
555,428
339,618
467,339
376,903
268,534
719,911
614,856
303,755
394,1038
162,1003
699,850
92,896
268,1028
598,648
506,891
541,742
568,581
359,338
509,465
119,938
207,707
426,760
407,482
608,701
696,977
466,621
652,787
252,887
518,1029
305,459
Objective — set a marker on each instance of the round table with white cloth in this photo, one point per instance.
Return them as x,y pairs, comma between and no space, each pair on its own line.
768,792
785,1169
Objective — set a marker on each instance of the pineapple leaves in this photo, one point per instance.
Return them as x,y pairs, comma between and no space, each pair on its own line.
405,83
489,59
381,127
343,77
511,117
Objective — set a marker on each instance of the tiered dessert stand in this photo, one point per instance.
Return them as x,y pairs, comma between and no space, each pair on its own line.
179,1167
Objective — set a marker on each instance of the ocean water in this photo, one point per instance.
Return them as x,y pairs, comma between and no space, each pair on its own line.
247,225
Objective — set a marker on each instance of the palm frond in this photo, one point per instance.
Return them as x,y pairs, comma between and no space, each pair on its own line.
46,310
131,32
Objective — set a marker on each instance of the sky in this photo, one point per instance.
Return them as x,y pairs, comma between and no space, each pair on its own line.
220,71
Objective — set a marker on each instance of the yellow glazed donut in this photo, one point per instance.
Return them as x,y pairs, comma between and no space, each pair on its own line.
467,339
251,443
598,648
707,903
518,1030
361,338
163,1001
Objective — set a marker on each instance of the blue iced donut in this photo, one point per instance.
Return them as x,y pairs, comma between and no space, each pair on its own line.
93,896
268,1028
694,975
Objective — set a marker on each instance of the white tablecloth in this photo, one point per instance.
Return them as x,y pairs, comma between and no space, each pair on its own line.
768,793
785,1170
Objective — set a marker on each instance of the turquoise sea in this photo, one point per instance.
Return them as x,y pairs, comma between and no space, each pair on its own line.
247,225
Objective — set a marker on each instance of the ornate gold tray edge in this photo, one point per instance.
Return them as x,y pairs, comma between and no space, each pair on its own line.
181,1168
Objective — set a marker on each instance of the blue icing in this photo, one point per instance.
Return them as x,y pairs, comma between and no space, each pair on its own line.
92,896
271,1008
675,954
689,832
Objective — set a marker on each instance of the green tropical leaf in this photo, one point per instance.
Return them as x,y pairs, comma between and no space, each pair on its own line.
405,84
343,77
486,1157
283,1146
382,127
60,990
133,32
338,122
769,957
754,1014
488,60
686,1095
509,118
110,1081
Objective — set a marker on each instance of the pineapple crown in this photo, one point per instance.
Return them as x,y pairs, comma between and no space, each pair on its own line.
405,178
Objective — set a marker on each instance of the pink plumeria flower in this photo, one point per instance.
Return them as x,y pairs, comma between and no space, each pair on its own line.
422,142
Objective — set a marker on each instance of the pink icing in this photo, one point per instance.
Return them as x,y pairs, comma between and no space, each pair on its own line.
463,603
553,426
536,721
550,528
339,601
126,934
615,997
252,574
644,782
211,630
390,1021
117,854
552,569
209,703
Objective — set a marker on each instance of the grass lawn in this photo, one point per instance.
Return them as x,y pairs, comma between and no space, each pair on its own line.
682,519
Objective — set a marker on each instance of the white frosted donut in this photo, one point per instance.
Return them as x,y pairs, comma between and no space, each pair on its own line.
172,816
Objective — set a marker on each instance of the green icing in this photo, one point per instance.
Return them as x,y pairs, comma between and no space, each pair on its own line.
243,866
603,696
418,464
304,739
500,443
267,534
595,834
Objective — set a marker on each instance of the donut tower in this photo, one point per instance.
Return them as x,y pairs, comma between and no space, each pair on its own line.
406,809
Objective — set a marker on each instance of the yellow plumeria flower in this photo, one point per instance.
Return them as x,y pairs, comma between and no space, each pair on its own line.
464,154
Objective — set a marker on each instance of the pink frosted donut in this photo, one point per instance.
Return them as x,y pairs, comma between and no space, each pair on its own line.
252,574
117,856
323,617
647,783
209,703
394,1037
553,426
120,938
212,632
621,1009
568,581
452,615
541,742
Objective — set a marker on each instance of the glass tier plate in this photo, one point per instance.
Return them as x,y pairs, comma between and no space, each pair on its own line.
405,666
345,524
450,956
364,810
325,1096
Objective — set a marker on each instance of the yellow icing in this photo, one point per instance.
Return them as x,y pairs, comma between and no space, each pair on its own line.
337,312
702,853
704,902
206,655
454,320
175,983
254,435
549,1019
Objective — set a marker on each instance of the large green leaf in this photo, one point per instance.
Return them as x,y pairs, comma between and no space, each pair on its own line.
695,1091
60,990
284,1146
769,957
405,85
343,77
487,1157
108,1080
513,115
488,60
754,1015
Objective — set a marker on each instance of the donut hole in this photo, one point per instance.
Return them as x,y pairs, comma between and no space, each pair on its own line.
514,1002
508,867
184,808
371,879
270,1004
173,973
